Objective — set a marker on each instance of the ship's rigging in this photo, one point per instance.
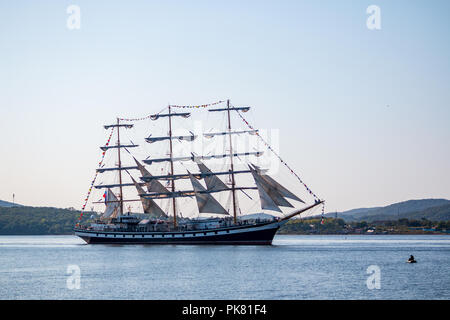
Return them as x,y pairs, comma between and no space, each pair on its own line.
163,187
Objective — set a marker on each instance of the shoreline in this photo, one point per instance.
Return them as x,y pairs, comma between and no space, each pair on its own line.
281,234
369,234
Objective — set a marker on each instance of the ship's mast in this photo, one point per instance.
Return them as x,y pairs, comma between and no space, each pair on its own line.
231,154
233,184
170,137
204,200
119,166
171,169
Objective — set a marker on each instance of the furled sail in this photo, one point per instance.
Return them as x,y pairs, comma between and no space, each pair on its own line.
217,156
212,134
112,205
275,185
152,185
185,138
205,202
213,183
149,205
159,115
104,148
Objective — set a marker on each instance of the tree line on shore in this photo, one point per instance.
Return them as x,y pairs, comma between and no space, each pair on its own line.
45,220
38,220
340,226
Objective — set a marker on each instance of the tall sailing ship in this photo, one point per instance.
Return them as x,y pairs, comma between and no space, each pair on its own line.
214,224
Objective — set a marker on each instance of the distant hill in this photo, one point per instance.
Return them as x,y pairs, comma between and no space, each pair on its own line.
439,213
431,209
8,204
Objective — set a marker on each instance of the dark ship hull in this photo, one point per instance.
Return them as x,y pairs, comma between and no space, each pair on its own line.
257,234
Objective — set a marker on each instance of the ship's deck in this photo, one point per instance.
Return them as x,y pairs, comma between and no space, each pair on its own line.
170,229
261,233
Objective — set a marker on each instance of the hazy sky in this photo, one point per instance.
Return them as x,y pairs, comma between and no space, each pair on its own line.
363,115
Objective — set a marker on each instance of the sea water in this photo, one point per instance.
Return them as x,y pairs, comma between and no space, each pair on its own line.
294,267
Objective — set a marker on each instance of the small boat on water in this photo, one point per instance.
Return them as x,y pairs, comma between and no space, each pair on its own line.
168,226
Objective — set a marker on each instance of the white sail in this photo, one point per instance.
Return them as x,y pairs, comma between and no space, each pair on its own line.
267,203
277,197
275,185
205,202
153,185
112,205
269,190
149,205
213,183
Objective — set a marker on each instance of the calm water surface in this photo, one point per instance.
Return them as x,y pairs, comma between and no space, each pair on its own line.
295,267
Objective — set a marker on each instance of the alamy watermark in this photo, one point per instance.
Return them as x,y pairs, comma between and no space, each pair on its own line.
374,20
219,146
74,18
374,280
73,281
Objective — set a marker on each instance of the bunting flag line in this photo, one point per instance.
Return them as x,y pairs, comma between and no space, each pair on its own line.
174,106
276,154
135,119
199,106
93,180
143,118
323,211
